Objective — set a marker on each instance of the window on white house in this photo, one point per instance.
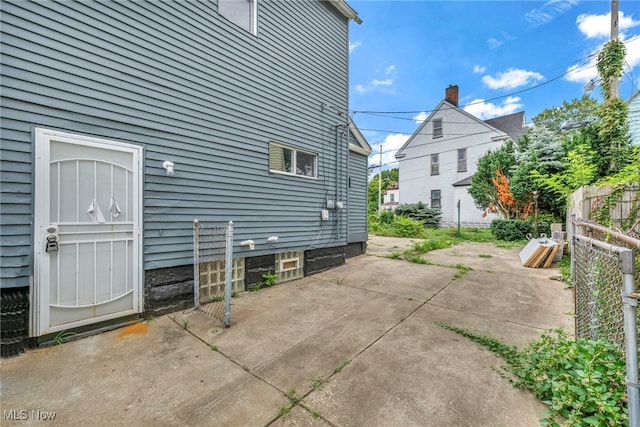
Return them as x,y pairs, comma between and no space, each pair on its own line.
435,199
291,161
240,12
392,197
435,164
437,128
462,160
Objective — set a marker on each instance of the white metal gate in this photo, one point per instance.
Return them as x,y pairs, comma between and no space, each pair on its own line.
87,231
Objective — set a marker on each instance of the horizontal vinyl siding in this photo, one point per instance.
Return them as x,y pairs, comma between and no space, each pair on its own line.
193,88
357,197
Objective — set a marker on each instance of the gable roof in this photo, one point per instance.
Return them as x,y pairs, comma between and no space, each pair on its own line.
511,124
444,104
345,10
359,144
463,182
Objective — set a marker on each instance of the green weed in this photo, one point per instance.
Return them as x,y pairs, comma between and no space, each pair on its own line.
269,279
316,382
291,395
582,381
284,411
341,367
62,337
184,323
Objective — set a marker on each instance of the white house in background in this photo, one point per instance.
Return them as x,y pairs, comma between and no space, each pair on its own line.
439,159
634,117
391,198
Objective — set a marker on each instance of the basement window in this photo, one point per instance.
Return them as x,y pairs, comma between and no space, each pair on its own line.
292,161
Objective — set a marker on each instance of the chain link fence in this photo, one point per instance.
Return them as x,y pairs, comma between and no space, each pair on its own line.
606,279
212,253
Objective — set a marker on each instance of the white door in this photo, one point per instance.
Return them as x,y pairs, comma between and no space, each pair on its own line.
88,231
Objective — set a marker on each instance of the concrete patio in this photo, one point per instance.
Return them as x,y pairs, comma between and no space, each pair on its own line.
357,345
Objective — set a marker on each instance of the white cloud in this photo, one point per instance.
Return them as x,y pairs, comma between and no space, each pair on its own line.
511,79
494,43
380,85
420,117
583,73
361,89
353,46
633,51
390,146
599,26
479,69
497,42
487,110
386,82
548,12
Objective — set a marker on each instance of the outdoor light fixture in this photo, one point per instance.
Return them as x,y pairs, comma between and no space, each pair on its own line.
168,166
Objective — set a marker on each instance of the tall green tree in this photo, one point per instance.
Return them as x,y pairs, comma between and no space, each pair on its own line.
389,177
541,150
568,116
482,189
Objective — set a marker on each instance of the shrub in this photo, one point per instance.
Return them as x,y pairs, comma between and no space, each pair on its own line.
386,216
421,212
407,227
511,229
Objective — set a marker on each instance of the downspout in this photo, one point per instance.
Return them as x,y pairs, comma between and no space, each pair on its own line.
348,201
336,194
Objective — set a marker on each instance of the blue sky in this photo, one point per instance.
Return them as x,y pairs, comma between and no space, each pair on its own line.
513,55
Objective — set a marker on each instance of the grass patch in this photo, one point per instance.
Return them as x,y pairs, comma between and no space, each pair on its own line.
485,255
462,270
582,381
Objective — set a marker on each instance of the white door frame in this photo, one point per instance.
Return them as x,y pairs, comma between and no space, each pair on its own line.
40,290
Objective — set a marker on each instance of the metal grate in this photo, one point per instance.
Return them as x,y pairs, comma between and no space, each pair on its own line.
213,251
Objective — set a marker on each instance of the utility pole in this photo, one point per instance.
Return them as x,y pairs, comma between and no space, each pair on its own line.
613,93
380,183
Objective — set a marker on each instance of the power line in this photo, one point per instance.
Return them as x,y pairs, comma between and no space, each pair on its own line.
583,63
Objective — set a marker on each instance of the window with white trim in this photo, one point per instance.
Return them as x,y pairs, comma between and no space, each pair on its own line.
437,128
291,161
436,199
435,164
241,12
462,160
